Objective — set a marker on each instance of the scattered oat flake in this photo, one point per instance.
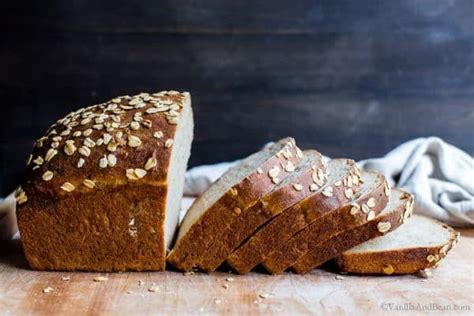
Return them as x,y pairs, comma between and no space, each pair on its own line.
153,288
264,295
339,277
140,282
225,286
101,279
189,273
129,292
66,278
48,289
229,279
217,301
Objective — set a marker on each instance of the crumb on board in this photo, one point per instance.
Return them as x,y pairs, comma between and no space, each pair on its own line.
153,288
101,279
264,295
48,289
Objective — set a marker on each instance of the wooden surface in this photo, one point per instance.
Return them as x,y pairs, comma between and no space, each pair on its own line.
21,290
350,78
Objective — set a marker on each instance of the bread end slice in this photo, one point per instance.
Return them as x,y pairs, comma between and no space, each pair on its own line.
418,245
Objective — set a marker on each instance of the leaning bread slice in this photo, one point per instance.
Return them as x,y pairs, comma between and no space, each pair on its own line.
393,216
289,191
239,188
341,185
369,202
418,245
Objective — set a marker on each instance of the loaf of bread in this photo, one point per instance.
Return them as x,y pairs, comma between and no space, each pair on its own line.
103,186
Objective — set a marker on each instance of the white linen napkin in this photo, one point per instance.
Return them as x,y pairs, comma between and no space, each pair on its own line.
8,225
440,176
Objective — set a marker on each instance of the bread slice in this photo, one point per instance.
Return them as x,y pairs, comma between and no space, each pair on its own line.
395,213
103,185
289,191
239,188
342,183
369,202
418,245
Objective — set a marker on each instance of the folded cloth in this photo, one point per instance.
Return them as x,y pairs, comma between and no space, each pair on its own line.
198,179
440,176
8,226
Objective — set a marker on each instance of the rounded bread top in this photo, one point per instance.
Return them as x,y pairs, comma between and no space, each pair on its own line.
127,140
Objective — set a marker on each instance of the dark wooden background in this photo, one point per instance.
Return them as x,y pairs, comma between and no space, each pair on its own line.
351,78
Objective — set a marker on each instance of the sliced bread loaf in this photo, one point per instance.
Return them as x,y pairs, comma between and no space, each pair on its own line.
239,188
340,187
418,245
395,213
103,186
287,192
369,202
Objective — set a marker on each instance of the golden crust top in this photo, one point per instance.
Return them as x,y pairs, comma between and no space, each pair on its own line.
126,140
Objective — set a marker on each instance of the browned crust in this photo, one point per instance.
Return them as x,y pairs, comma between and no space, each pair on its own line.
64,167
191,249
332,247
253,217
328,226
87,228
288,223
403,261
93,232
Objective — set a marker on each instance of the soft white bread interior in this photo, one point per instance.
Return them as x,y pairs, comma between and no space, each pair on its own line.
180,153
417,232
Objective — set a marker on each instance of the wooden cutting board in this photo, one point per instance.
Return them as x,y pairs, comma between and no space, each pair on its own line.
21,290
